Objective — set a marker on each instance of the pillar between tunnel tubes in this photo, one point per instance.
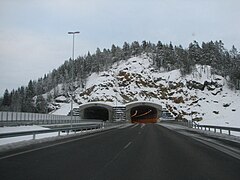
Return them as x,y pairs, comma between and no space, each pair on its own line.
131,105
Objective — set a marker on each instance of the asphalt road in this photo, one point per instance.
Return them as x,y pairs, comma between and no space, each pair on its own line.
141,152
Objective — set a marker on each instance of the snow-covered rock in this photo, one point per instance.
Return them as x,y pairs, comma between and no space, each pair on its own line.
62,99
197,96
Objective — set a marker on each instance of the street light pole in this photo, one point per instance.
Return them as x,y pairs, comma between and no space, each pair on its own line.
72,33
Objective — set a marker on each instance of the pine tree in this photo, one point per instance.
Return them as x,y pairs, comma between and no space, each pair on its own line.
144,46
41,104
28,99
181,56
113,50
6,99
233,52
135,48
16,104
126,50
194,52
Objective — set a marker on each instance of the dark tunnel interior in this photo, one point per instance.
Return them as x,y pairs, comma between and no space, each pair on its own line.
96,113
143,114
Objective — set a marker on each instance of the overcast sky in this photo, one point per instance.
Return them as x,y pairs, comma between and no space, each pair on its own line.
34,39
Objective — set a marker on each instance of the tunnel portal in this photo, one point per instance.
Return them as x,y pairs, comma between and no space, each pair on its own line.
143,114
96,112
136,112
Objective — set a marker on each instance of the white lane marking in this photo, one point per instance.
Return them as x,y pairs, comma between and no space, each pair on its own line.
135,126
125,126
142,125
52,145
125,147
116,156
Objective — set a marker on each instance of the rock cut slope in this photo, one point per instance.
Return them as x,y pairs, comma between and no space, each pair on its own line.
200,96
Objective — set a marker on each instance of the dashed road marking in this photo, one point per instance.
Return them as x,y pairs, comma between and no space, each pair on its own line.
125,147
125,126
135,126
142,125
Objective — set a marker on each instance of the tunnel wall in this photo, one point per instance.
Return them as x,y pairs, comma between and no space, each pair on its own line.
96,104
129,106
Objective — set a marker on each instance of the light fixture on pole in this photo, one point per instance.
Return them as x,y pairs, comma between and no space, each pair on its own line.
72,33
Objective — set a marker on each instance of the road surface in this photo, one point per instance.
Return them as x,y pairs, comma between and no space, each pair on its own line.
141,152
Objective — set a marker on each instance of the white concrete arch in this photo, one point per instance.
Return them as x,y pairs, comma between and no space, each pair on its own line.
93,105
131,105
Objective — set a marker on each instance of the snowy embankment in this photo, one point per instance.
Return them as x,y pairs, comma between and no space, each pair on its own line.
23,138
65,108
201,96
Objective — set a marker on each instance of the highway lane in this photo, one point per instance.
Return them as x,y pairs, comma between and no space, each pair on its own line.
136,152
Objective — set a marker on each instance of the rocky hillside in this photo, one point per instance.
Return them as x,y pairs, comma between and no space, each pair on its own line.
201,96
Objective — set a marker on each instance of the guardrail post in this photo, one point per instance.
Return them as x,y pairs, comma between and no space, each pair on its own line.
45,117
34,136
58,133
229,132
215,130
220,130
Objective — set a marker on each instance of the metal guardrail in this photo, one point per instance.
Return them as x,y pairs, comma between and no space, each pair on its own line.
173,121
215,128
59,130
92,124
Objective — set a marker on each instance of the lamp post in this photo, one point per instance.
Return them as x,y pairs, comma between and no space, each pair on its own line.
72,33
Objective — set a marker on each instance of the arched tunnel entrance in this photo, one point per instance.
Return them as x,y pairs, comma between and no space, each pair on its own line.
139,112
96,112
143,114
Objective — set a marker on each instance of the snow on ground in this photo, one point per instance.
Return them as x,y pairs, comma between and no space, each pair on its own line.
23,138
61,99
65,108
224,135
21,128
227,116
